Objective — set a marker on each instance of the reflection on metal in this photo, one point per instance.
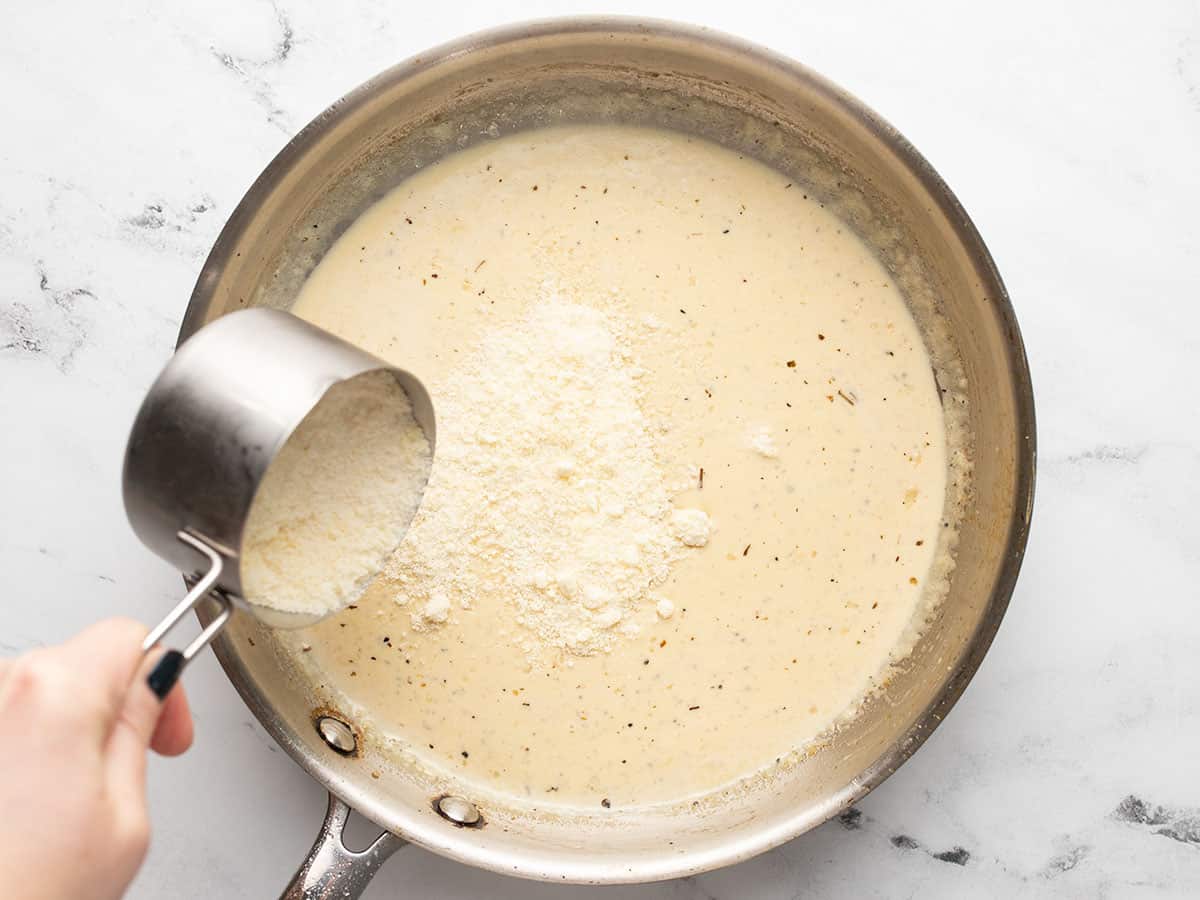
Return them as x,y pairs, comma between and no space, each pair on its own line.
168,669
333,870
458,810
337,734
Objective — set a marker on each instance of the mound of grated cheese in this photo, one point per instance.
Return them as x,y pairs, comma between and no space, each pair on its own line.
546,494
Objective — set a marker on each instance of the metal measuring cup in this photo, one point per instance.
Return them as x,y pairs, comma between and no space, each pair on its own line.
206,433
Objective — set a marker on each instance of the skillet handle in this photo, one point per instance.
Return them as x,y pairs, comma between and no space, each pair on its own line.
333,871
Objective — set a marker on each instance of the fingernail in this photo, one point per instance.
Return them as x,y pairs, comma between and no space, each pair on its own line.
165,673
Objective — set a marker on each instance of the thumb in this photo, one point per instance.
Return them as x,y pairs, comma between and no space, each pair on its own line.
131,735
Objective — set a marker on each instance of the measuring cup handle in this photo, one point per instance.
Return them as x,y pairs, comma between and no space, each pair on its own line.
168,669
331,870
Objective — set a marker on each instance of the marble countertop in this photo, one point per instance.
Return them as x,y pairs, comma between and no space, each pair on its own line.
1070,131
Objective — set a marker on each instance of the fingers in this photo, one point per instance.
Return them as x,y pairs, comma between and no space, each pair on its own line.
146,722
104,657
173,733
131,734
99,677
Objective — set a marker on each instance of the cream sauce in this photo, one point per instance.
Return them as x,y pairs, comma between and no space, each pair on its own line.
780,358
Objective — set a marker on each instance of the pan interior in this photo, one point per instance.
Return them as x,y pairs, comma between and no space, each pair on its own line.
690,82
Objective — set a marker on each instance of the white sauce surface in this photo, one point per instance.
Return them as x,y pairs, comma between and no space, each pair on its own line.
780,358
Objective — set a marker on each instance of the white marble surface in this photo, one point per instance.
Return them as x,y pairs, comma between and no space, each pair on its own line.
1071,132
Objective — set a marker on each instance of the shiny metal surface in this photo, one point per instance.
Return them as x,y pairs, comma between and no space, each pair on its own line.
755,102
170,667
331,870
459,810
337,734
197,592
212,422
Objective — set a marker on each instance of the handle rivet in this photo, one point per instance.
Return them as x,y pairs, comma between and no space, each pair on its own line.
458,810
337,734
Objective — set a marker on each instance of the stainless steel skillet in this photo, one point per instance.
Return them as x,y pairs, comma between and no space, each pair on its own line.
693,80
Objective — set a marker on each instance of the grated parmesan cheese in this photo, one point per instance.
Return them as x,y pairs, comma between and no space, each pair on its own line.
763,442
547,494
691,526
336,499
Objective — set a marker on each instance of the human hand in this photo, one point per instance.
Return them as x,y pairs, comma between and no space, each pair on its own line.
75,723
